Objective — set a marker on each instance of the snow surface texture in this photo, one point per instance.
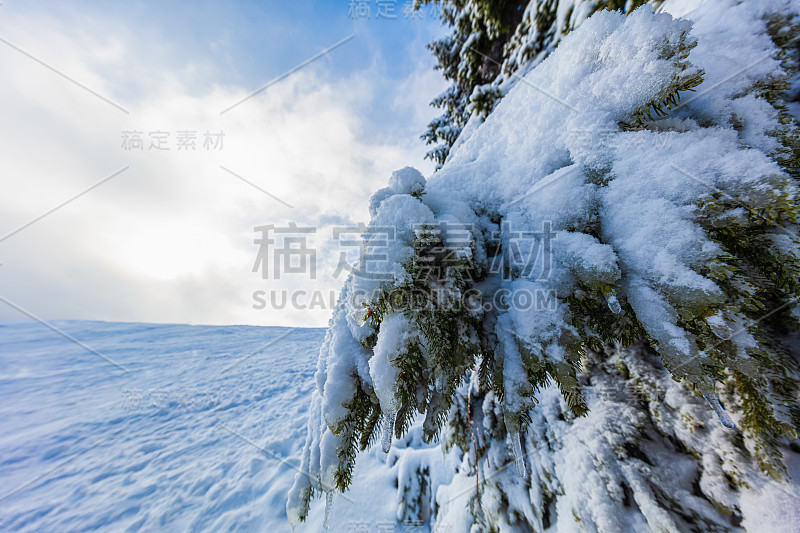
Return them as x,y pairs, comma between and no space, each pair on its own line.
530,163
202,434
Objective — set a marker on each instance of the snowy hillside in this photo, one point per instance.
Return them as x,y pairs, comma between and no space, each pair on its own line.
170,443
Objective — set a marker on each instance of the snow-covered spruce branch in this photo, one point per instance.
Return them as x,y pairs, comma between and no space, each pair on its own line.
679,230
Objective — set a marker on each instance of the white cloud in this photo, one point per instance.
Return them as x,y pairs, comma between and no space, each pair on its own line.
171,238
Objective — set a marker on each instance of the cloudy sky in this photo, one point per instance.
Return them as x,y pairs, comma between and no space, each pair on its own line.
135,160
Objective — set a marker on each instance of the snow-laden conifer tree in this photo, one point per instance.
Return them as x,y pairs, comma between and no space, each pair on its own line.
602,262
491,46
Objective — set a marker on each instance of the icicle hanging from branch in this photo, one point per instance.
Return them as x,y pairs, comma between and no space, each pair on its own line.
388,430
519,457
328,508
